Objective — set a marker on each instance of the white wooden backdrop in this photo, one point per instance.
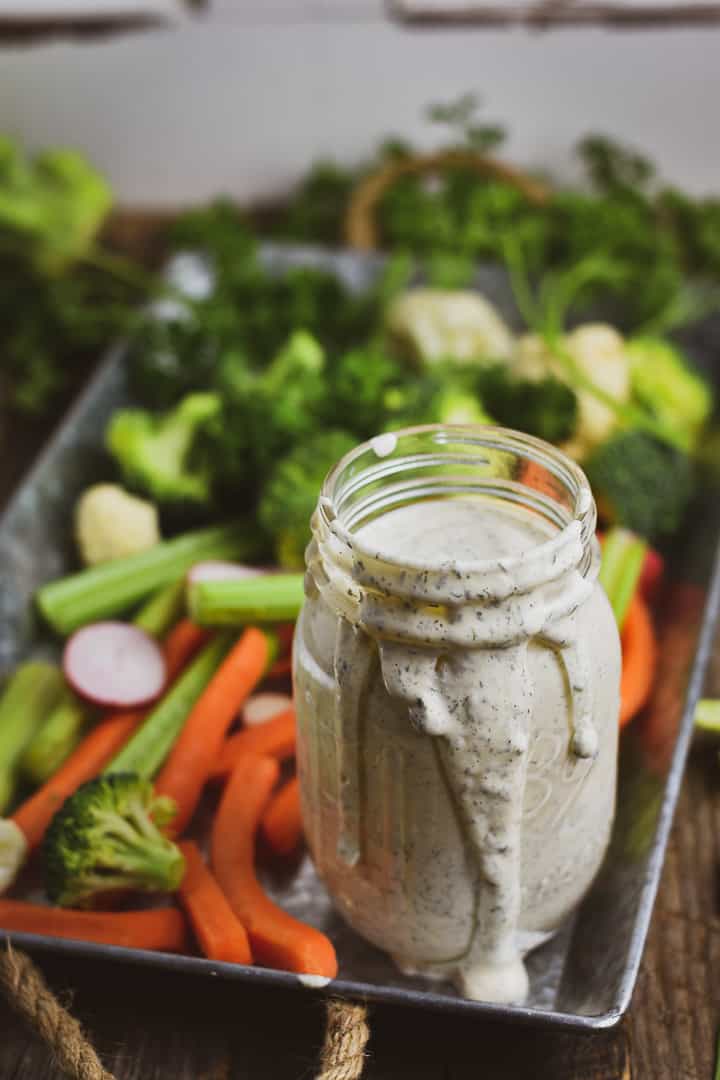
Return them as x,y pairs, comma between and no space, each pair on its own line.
244,101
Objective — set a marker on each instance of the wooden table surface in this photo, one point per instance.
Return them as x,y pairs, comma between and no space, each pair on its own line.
150,1026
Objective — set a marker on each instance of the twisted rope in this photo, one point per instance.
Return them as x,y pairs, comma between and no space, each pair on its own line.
27,992
342,1058
346,1036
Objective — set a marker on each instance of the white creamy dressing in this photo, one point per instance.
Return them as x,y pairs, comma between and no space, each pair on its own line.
454,646
314,982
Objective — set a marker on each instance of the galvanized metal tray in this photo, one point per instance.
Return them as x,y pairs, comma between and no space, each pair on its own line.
584,977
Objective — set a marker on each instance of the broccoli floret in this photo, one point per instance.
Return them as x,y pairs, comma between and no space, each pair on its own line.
264,414
292,389
641,483
360,384
547,408
663,381
53,204
289,498
411,403
455,405
445,395
155,452
106,837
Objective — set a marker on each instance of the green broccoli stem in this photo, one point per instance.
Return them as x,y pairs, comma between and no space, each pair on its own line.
148,855
269,598
623,555
148,864
163,609
101,592
30,694
147,749
56,739
158,864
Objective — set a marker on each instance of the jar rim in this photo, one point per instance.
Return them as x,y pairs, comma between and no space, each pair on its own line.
470,439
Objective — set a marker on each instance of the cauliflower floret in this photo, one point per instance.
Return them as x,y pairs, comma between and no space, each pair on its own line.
600,354
110,524
437,324
13,852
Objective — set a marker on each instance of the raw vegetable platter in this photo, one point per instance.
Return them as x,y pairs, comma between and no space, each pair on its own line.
585,976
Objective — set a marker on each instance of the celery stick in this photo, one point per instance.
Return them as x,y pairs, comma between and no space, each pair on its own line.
150,745
623,555
246,601
56,739
101,592
707,715
29,696
163,608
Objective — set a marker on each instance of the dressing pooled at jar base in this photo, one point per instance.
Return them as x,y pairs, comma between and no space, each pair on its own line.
457,672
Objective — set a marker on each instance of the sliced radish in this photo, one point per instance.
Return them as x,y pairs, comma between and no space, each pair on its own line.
215,570
263,707
114,665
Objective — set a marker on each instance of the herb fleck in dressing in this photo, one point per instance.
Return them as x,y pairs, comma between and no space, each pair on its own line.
442,828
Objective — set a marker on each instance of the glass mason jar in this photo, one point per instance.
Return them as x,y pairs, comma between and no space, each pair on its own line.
457,673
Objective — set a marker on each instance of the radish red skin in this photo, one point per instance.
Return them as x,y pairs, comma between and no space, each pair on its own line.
114,665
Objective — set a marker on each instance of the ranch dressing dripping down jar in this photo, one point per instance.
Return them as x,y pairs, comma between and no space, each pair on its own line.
457,671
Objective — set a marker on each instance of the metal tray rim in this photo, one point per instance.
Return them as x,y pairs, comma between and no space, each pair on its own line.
56,439
673,784
367,992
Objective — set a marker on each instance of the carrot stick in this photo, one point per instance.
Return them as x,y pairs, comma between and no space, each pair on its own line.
639,659
277,939
275,738
103,742
282,823
193,756
161,929
180,645
219,931
101,745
